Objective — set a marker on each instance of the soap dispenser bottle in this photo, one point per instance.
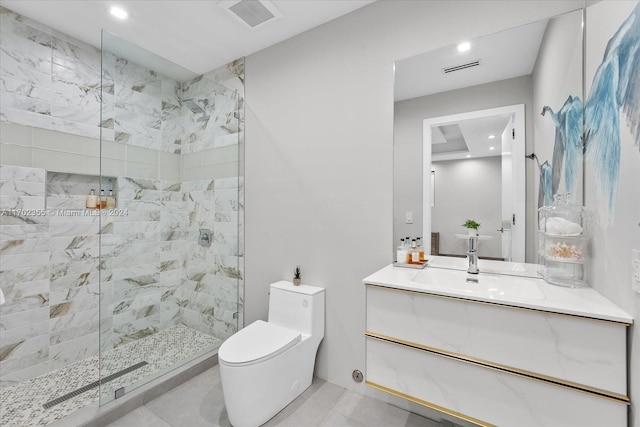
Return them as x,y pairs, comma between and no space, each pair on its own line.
407,245
92,199
111,200
103,200
415,255
401,253
420,248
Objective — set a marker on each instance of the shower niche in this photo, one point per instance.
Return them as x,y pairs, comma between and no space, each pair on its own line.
69,191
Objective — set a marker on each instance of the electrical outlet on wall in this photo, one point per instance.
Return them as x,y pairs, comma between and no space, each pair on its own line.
635,270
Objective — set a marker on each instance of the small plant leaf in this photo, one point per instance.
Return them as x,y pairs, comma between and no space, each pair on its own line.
470,223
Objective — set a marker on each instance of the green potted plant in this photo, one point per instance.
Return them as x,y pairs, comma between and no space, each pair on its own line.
296,276
472,226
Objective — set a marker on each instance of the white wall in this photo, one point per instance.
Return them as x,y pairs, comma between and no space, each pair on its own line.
319,145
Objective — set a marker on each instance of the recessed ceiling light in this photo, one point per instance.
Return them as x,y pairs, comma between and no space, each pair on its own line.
118,12
492,136
492,148
468,155
464,46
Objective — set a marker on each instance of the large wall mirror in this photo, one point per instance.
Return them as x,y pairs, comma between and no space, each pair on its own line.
475,129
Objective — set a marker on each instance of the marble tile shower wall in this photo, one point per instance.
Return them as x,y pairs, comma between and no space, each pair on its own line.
52,81
25,246
141,261
48,79
153,273
211,293
212,123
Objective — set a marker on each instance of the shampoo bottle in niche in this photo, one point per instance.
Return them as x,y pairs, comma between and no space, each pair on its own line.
111,200
92,199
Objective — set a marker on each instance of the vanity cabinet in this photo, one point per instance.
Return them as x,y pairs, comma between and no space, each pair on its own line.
492,363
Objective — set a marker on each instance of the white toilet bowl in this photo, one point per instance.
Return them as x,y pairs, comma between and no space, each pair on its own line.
266,365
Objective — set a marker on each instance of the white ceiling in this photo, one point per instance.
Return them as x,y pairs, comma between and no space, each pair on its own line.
197,35
504,55
473,135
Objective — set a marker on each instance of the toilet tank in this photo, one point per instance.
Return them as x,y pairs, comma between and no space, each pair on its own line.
297,307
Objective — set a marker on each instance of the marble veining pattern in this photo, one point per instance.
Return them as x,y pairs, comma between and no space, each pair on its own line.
552,346
492,396
153,274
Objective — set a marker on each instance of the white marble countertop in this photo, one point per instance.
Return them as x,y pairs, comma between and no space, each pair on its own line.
518,291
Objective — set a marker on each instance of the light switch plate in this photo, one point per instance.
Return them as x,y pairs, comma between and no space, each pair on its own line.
635,270
409,217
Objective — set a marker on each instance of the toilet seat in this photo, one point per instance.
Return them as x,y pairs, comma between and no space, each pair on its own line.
256,343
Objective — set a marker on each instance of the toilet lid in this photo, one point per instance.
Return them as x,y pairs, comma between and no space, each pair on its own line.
257,342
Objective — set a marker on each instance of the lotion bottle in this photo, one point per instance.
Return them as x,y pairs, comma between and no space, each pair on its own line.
103,200
415,255
92,199
401,253
111,200
420,248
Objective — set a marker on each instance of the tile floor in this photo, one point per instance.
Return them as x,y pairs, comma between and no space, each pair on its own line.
199,402
22,405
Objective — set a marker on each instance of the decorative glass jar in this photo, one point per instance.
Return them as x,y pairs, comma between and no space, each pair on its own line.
563,243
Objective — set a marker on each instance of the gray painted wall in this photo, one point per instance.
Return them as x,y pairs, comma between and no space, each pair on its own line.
319,147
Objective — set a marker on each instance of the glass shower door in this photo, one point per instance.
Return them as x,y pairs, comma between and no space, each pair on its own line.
170,257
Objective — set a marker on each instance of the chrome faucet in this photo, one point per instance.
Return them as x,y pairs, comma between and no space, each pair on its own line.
472,254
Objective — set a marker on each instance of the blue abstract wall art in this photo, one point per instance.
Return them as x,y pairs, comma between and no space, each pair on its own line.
567,147
544,189
615,90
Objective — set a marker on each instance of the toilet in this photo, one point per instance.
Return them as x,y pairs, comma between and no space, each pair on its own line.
266,365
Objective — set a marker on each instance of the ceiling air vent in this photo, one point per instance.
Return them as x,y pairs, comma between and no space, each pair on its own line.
251,12
461,67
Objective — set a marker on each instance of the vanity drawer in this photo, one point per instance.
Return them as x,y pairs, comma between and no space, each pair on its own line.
482,395
588,353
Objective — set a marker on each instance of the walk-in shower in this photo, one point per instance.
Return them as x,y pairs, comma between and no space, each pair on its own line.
102,301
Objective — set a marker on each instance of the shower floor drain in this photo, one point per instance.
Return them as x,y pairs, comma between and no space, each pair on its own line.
92,385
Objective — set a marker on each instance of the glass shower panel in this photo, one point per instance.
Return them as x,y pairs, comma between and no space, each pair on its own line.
170,258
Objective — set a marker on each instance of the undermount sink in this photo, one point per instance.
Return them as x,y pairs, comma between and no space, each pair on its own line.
490,286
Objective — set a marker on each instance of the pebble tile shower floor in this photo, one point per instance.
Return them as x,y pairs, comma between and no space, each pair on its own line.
22,404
